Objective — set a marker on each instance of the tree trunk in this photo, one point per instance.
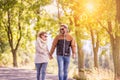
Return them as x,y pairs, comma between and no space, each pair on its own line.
10,35
14,58
80,56
116,56
81,71
95,59
79,48
10,39
116,45
117,50
95,46
118,11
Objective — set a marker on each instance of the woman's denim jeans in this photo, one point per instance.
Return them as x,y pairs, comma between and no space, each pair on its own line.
41,70
63,63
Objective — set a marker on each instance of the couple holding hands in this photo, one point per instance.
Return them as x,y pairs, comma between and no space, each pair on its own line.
63,42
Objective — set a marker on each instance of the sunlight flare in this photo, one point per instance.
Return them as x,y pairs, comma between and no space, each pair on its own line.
90,7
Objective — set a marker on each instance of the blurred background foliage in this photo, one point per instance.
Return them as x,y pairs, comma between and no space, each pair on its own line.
91,22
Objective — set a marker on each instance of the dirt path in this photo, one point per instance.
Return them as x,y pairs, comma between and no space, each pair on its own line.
22,74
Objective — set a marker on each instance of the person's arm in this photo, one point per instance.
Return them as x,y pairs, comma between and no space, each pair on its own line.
74,49
54,45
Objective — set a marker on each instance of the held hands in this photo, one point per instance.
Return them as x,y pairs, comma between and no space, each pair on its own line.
74,55
50,56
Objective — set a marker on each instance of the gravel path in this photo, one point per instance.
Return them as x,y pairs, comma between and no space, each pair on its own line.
22,74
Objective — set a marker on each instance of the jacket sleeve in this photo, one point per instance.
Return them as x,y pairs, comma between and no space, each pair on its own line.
54,45
73,46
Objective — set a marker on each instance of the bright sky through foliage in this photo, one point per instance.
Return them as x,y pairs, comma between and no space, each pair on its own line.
52,8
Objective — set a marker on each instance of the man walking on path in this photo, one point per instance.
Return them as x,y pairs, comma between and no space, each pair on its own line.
63,42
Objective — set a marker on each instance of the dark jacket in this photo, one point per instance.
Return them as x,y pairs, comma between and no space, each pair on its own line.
63,43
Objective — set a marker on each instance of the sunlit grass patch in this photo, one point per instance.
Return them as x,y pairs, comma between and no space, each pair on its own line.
95,74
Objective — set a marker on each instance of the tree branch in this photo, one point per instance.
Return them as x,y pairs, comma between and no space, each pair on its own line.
9,32
19,29
108,30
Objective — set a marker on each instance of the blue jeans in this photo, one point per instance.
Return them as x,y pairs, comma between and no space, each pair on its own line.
63,63
41,70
